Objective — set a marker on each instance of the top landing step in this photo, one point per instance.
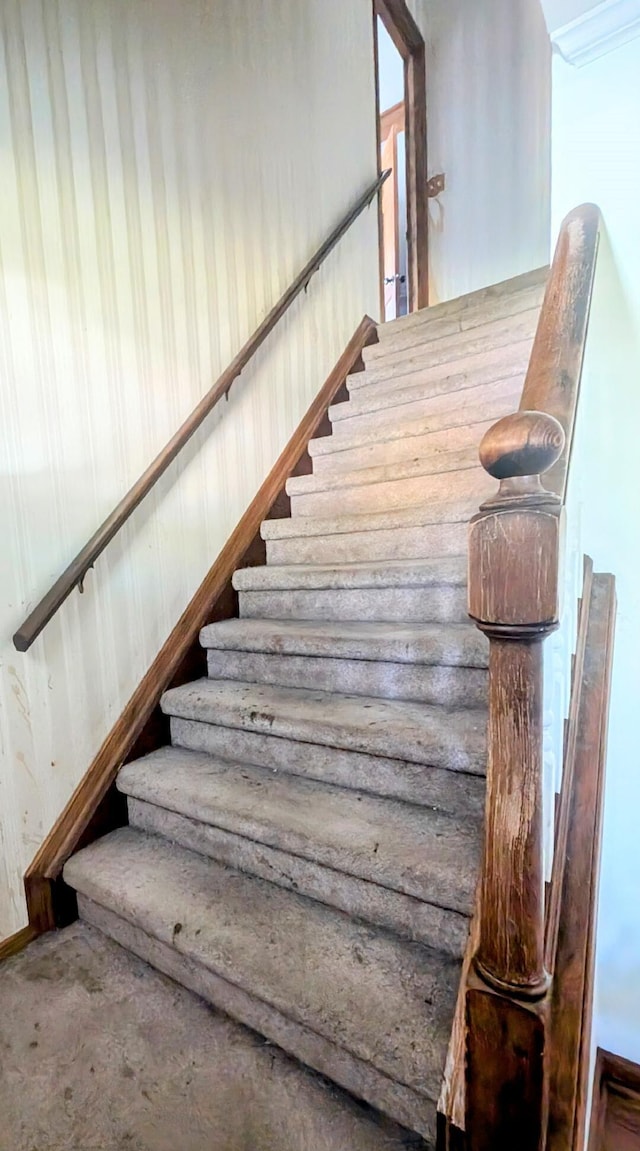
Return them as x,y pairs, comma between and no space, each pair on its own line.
489,295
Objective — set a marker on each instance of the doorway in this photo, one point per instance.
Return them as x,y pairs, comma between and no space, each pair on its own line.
401,116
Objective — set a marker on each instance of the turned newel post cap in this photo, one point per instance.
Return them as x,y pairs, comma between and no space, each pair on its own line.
517,451
524,444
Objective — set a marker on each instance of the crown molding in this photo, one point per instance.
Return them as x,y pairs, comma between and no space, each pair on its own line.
606,26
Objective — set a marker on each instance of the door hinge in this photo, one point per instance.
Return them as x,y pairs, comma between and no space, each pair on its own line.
435,185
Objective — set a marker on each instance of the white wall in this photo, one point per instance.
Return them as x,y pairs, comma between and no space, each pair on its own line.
488,99
166,169
596,156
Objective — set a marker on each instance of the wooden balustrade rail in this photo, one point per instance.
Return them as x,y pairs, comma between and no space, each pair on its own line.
75,574
514,560
552,383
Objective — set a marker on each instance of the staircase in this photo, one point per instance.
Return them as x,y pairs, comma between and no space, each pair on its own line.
305,854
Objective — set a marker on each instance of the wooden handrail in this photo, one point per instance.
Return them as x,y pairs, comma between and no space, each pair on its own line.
74,575
552,383
514,559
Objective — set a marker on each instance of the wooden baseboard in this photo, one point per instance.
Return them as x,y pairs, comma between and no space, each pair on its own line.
615,1111
95,806
17,942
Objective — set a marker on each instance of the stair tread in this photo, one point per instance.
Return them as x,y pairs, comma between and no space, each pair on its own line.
399,406
385,1000
438,531
364,434
468,371
459,304
451,644
430,855
428,383
406,422
467,482
436,395
393,456
443,511
433,464
454,739
449,349
430,323
367,573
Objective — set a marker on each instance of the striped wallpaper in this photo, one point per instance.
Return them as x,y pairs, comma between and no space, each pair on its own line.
165,170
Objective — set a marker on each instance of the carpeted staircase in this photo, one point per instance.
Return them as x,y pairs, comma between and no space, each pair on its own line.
305,854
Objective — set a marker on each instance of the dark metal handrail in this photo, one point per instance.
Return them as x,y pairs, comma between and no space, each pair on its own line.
74,575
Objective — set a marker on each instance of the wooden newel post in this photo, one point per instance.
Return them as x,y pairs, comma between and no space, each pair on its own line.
513,597
514,552
514,562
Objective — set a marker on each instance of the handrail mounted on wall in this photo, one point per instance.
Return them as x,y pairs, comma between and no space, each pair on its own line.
74,575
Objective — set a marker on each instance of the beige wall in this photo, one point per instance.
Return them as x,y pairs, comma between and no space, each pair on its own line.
488,93
166,168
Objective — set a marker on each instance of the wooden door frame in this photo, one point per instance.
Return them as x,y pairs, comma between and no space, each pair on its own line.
408,40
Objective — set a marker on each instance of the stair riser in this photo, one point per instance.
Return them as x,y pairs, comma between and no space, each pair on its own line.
416,491
400,392
425,453
411,543
419,335
407,741
446,459
452,348
427,328
376,727
411,382
397,779
491,295
404,390
410,917
469,400
448,686
409,605
399,1102
421,418
422,645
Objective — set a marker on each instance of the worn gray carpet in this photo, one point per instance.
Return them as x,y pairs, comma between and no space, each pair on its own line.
100,1053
